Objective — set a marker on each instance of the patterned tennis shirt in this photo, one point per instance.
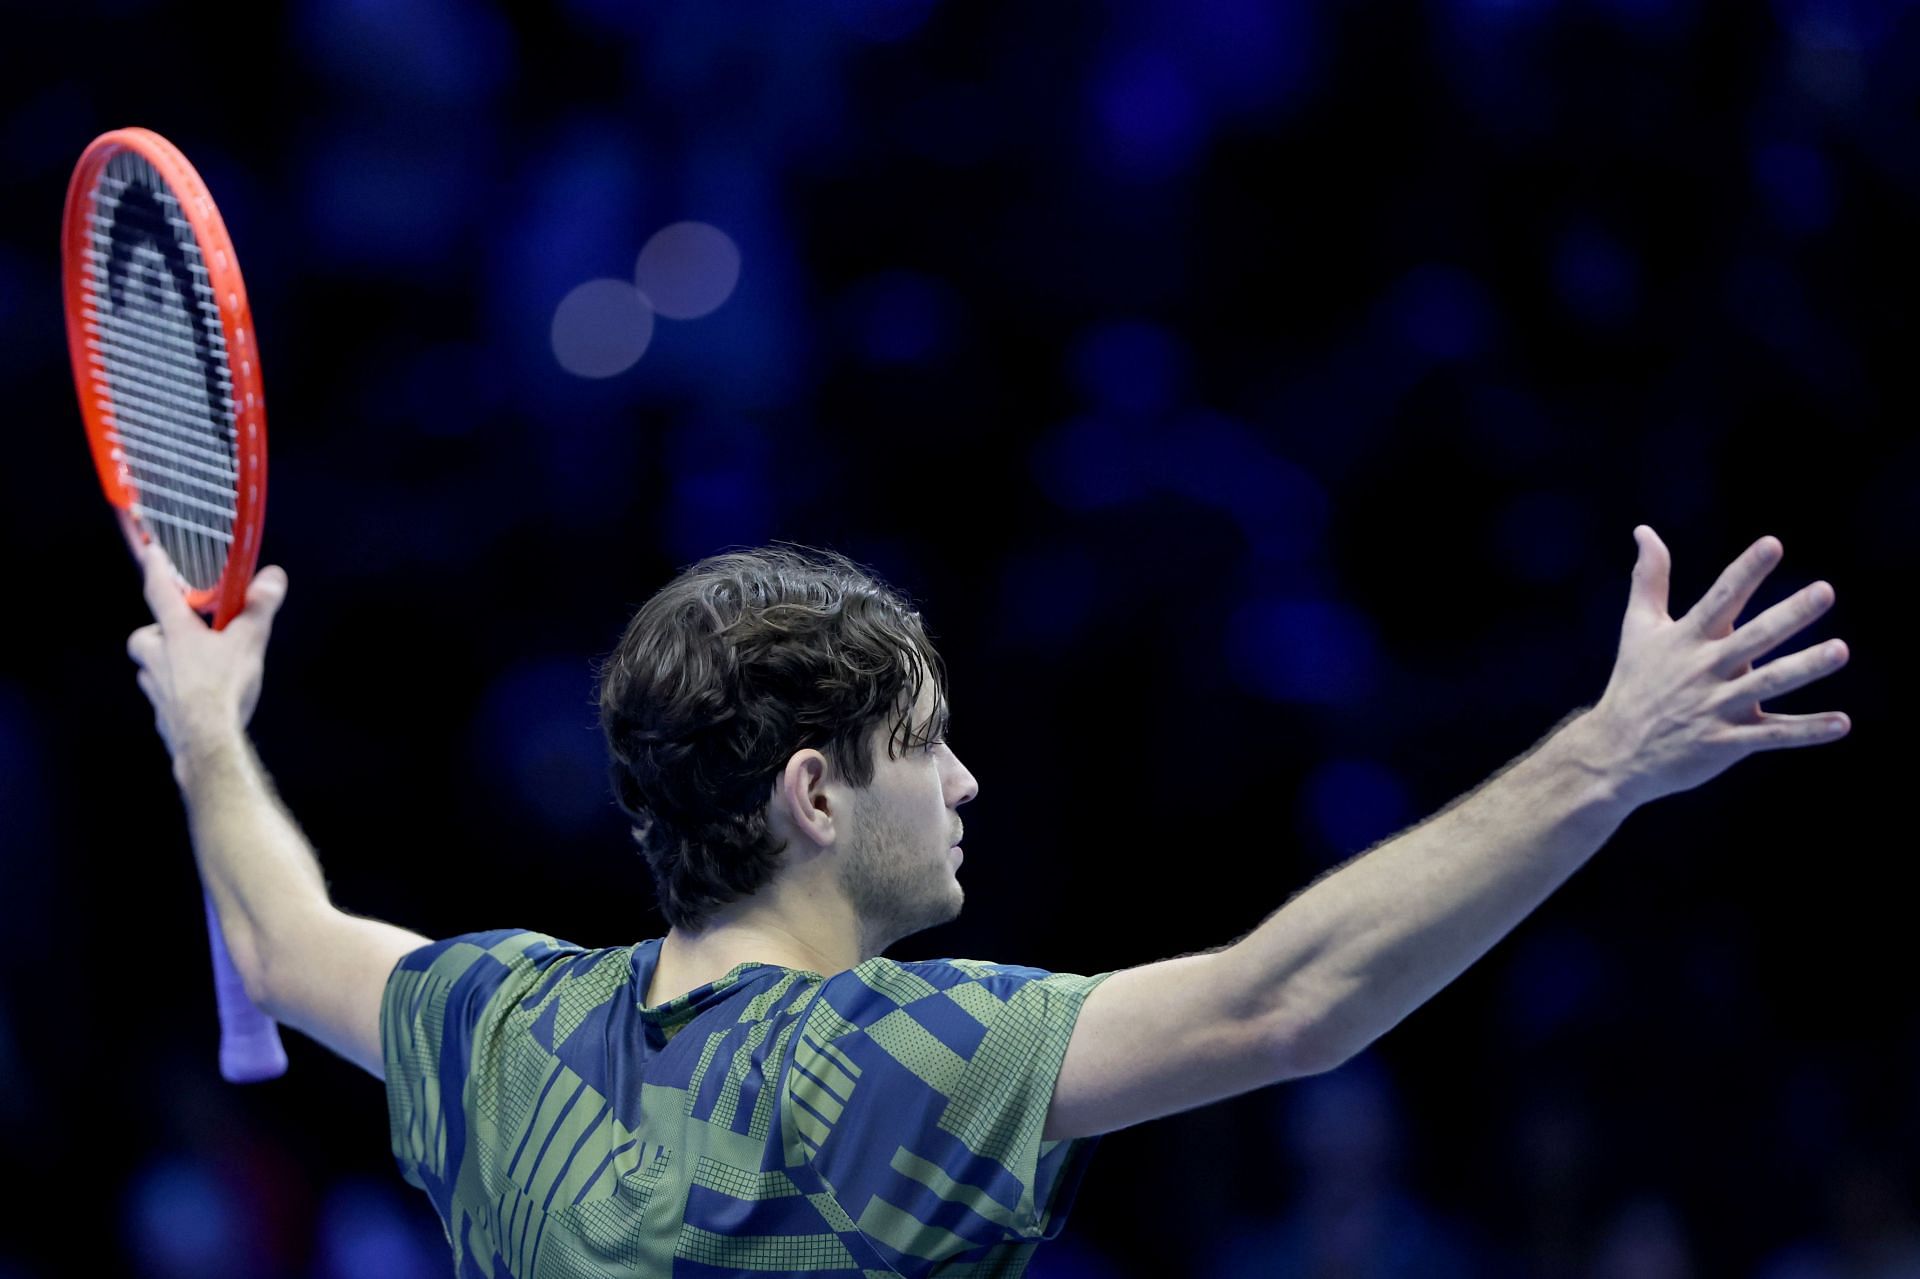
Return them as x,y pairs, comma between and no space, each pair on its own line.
882,1121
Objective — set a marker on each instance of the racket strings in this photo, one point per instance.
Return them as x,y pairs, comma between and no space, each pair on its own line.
161,379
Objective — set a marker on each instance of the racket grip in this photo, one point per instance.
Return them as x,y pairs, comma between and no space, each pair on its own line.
250,1048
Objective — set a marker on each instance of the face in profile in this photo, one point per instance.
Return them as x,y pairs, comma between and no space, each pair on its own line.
901,872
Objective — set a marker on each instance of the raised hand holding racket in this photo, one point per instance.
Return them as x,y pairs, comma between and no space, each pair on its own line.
204,684
166,367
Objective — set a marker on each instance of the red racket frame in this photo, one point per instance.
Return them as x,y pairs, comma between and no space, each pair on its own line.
226,597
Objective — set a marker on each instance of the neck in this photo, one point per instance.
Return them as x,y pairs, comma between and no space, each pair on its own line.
789,925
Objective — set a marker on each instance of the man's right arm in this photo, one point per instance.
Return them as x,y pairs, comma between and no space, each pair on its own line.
1351,956
1343,961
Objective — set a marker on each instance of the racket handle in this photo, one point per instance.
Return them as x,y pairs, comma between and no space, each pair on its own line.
250,1048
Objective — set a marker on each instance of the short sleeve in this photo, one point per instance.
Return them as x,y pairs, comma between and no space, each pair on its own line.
918,1094
445,1008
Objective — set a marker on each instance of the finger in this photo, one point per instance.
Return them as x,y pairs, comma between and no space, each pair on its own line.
1784,675
1770,629
1717,610
1650,572
164,598
142,644
265,593
1783,732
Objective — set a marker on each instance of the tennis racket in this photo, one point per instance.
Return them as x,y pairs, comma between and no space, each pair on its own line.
164,362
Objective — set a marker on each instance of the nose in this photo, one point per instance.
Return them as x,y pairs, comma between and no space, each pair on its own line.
962,786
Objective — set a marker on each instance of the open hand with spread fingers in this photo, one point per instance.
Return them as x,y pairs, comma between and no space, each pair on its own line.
1684,702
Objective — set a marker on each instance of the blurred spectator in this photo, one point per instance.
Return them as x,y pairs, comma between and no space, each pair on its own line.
1643,1240
1872,1232
1350,1217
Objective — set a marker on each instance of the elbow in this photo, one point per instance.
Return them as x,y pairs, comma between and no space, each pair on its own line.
1306,1036
1302,1049
255,986
249,967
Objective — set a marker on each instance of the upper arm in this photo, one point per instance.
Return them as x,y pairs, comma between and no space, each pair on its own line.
1162,1038
324,975
949,1065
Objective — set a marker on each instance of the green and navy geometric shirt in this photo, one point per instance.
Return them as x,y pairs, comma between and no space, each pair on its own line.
883,1121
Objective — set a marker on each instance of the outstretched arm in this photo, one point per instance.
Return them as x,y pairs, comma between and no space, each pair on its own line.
304,962
1352,955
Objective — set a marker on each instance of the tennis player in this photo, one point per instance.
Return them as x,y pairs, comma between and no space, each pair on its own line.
762,1090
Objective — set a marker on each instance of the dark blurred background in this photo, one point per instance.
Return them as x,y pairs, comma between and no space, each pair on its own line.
1257,395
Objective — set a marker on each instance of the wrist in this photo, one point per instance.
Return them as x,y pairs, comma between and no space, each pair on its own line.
1592,745
203,748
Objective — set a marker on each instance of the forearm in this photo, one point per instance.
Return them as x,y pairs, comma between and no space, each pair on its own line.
253,859
1348,958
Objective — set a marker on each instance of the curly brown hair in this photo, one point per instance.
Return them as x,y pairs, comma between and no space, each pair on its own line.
741,660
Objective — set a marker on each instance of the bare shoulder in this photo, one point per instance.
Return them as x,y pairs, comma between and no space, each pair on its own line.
324,975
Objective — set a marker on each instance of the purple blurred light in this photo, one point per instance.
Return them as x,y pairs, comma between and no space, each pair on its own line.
364,1230
688,269
182,1222
601,328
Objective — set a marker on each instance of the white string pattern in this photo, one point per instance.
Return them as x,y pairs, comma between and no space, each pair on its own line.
159,366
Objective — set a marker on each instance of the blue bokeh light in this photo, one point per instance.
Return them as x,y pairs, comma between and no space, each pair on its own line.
1048,597
582,218
390,202
1091,463
182,1222
1129,366
723,491
1311,651
1552,983
456,57
1796,182
537,737
1441,312
1350,804
364,1230
1850,26
1249,56
1542,537
883,20
901,317
1595,275
1147,116
1280,508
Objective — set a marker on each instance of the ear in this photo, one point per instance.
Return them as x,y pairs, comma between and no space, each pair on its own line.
807,808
